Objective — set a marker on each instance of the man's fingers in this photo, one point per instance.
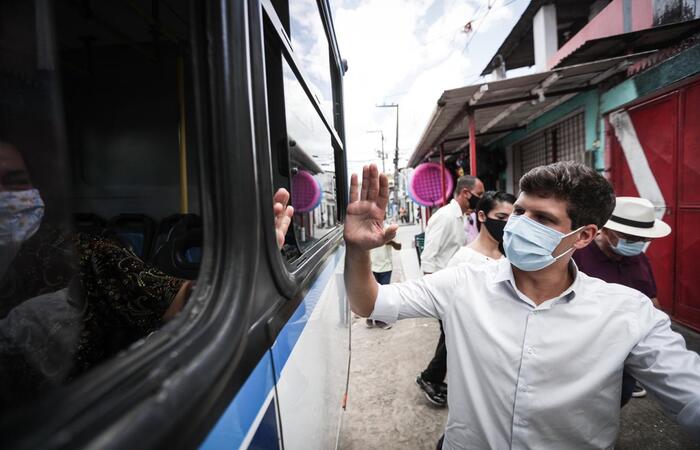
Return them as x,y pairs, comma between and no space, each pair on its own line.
390,232
383,195
373,188
365,183
353,188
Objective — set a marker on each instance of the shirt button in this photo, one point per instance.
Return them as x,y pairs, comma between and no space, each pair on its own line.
530,351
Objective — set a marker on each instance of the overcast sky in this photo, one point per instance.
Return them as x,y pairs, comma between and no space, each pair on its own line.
408,52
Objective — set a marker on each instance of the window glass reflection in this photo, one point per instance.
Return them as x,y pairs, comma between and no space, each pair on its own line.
310,46
98,242
312,165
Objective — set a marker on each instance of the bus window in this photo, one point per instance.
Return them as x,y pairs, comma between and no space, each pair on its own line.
100,227
299,97
310,45
312,165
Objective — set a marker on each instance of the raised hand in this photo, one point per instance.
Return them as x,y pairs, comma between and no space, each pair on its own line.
283,214
364,221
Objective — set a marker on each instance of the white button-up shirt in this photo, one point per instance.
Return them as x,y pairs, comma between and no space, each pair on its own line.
444,235
547,376
466,255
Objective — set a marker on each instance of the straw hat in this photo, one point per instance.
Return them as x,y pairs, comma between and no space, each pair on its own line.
635,216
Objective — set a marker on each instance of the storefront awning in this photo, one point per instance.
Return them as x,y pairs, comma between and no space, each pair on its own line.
501,107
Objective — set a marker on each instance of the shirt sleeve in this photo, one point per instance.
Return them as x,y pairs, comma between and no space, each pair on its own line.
423,297
433,238
663,364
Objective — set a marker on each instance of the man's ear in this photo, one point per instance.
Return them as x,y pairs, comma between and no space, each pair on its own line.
481,216
586,235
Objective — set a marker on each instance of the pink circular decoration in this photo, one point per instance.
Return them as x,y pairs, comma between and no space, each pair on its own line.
306,192
426,185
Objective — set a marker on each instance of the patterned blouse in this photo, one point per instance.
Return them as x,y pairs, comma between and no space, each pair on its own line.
61,315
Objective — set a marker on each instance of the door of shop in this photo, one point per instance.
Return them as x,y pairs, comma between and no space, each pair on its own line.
654,152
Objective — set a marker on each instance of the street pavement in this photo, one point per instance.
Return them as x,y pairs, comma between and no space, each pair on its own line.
386,410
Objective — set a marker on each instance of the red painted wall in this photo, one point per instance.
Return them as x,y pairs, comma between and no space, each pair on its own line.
668,131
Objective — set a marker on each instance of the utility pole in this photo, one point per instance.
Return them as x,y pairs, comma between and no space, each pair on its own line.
382,154
396,153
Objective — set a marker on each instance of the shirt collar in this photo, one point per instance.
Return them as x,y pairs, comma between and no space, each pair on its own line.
458,209
504,272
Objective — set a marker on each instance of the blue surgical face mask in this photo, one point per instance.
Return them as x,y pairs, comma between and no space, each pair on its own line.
529,244
628,248
20,216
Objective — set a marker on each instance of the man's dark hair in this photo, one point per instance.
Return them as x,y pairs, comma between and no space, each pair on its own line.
590,197
464,182
490,199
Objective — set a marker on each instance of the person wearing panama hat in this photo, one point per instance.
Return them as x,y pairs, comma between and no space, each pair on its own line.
617,256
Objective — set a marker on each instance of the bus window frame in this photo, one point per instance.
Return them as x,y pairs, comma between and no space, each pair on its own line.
293,277
189,370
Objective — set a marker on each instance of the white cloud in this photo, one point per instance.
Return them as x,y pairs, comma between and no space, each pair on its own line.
408,52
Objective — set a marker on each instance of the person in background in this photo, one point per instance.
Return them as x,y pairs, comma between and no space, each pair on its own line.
382,267
471,227
444,236
492,212
616,255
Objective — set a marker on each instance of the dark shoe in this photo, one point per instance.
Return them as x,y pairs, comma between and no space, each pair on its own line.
382,325
436,393
639,391
378,324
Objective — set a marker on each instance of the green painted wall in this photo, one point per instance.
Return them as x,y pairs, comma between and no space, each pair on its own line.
587,101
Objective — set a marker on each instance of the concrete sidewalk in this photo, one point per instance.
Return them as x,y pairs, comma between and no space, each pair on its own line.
386,410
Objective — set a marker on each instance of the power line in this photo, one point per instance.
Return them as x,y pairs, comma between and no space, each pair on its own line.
481,20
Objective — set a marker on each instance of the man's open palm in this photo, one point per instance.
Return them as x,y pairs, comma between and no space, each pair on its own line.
364,221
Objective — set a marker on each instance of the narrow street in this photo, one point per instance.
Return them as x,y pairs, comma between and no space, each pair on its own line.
387,410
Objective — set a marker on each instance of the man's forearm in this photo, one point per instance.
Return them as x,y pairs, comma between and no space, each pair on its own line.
360,284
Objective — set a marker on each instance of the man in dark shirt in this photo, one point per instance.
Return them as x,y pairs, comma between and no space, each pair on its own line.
617,256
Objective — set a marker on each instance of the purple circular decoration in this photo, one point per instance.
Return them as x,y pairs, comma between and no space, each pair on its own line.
426,185
306,192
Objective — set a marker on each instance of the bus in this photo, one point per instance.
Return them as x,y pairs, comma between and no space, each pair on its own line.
145,301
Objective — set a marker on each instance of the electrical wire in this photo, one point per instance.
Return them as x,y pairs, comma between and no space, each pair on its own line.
482,19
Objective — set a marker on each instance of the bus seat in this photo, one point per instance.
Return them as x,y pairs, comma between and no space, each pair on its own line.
89,223
134,231
180,252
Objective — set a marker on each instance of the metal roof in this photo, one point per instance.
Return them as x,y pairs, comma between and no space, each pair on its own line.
501,107
636,41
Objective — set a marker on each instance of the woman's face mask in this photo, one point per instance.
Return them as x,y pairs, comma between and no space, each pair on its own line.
20,216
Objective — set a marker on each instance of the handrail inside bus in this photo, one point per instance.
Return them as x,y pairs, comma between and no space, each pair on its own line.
184,200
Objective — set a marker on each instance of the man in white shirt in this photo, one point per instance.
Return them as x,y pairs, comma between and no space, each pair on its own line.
444,236
536,348
445,232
